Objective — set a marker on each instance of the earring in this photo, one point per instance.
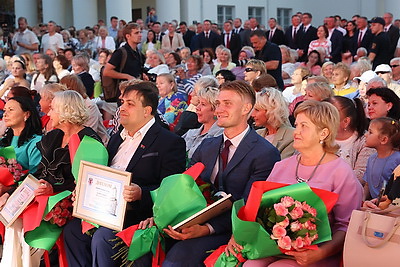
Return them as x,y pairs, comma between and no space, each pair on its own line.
25,119
321,142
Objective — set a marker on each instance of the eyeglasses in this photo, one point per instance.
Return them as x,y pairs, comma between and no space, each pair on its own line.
249,70
394,66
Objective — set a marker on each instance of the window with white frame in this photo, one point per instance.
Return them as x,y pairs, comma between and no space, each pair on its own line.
284,17
225,13
258,13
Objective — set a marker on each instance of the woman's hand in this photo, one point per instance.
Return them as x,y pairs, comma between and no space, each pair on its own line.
45,188
306,257
233,248
3,199
148,223
190,232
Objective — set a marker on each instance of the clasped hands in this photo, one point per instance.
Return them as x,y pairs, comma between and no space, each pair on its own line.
190,232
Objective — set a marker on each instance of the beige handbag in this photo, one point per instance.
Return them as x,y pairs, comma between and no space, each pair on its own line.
372,240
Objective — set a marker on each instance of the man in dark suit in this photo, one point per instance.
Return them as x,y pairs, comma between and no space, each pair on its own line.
336,38
392,31
291,32
208,38
306,34
237,26
275,35
157,30
143,148
186,33
231,40
233,162
363,34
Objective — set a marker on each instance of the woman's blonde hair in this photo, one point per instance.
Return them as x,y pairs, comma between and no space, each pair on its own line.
70,107
170,78
257,65
323,115
321,89
228,51
210,94
50,89
276,108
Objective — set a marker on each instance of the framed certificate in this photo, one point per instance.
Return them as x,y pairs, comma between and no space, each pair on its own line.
99,195
19,200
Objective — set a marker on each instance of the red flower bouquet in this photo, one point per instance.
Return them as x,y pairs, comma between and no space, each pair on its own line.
11,172
61,213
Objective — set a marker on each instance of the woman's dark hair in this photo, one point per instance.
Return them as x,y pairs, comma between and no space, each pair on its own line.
198,59
263,81
154,37
33,124
50,71
351,22
210,52
63,61
227,74
388,96
390,128
177,57
325,30
319,62
354,110
22,91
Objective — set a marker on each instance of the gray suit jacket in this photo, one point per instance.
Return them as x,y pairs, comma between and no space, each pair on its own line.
283,140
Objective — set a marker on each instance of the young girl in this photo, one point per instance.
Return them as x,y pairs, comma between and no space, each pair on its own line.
383,135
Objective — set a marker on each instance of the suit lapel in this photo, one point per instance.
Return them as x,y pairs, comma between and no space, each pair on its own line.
148,139
245,146
209,160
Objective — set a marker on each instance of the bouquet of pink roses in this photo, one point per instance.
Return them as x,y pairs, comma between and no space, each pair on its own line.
11,172
290,222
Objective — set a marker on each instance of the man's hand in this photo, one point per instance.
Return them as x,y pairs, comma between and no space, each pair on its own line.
132,192
193,231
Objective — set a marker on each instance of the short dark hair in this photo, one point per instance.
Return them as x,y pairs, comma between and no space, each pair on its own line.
242,88
113,17
148,93
227,74
263,81
307,14
63,61
129,27
22,18
389,96
258,33
182,23
207,20
33,125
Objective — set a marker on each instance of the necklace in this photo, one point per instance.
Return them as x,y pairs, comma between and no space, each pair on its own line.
302,180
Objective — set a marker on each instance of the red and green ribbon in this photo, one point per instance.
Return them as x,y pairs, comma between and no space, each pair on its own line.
253,237
177,198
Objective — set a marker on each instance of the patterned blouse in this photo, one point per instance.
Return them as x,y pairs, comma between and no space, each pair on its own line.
172,105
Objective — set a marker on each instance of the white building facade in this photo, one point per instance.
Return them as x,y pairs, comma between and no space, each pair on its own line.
81,13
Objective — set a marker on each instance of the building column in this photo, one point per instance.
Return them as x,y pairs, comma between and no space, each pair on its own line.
85,13
55,10
168,10
27,9
119,8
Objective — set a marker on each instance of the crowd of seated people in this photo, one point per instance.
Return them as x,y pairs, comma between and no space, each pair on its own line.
320,105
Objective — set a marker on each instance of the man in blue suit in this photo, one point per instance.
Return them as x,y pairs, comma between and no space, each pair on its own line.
248,157
143,148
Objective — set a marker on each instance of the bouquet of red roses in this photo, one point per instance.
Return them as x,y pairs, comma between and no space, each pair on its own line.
61,213
276,218
11,171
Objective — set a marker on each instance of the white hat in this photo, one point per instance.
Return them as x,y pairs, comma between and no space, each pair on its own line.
383,68
367,76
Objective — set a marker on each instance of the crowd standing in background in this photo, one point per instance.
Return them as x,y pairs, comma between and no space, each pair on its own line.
162,96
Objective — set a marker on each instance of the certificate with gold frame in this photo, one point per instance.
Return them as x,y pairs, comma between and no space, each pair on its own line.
19,200
99,195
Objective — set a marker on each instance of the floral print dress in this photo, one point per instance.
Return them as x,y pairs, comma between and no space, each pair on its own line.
172,105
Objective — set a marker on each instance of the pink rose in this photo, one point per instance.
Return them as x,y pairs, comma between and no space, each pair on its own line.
284,223
314,237
280,209
12,161
298,243
285,243
296,226
307,241
296,213
309,225
278,232
287,201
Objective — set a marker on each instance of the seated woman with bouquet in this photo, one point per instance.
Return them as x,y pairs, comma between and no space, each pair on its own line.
319,167
24,132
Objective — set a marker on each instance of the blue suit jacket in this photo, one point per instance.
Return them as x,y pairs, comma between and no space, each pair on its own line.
160,154
253,161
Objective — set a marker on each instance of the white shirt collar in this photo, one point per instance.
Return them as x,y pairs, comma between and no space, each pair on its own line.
141,132
238,138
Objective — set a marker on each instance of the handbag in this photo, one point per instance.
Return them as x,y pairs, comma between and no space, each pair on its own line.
372,240
110,85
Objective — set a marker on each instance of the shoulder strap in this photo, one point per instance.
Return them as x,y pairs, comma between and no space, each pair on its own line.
124,57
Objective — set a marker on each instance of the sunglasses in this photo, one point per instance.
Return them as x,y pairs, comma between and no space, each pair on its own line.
382,72
249,70
394,66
